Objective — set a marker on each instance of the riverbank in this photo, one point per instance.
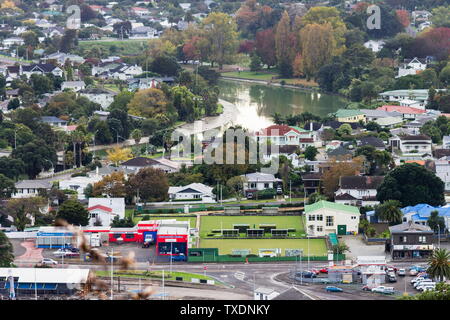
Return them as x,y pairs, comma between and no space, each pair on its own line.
270,83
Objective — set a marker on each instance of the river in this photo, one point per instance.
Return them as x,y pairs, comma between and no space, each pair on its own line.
256,103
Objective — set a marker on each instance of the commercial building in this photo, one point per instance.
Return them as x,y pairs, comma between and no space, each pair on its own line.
41,281
324,217
372,270
411,241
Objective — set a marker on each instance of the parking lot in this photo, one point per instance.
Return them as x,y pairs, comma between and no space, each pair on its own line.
26,252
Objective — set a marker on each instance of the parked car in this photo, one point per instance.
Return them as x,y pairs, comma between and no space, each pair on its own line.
424,284
306,274
427,287
401,272
366,288
249,195
421,282
413,272
323,270
279,190
418,268
391,268
418,279
48,261
316,271
391,277
333,289
383,289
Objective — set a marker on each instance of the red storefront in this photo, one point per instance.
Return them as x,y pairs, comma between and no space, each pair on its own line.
123,234
172,241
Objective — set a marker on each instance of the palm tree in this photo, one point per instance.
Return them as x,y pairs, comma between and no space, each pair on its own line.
438,264
277,118
389,211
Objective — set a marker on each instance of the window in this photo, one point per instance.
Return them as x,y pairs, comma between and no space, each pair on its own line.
353,218
94,215
266,185
422,239
129,236
319,228
403,239
311,217
329,221
252,185
319,217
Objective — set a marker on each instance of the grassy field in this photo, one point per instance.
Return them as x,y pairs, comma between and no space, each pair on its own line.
317,247
266,76
251,75
209,223
128,47
192,223
154,275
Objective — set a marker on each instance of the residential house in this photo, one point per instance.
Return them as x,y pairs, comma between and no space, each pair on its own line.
411,67
289,151
333,124
325,217
418,123
389,122
312,183
101,96
280,135
73,85
414,144
376,142
358,190
140,12
411,241
258,181
54,121
441,167
446,142
407,113
420,95
41,68
349,115
30,188
104,210
61,58
340,152
144,33
138,163
412,104
78,184
421,212
193,191
374,45
376,114
13,41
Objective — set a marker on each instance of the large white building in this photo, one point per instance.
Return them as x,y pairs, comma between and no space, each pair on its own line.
193,191
105,209
30,188
324,217
412,145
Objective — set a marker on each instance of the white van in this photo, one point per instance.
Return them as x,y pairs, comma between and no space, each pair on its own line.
422,282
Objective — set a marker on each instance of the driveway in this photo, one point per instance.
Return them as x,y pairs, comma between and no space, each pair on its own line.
359,248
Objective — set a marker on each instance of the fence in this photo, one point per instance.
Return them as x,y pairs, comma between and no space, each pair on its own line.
212,255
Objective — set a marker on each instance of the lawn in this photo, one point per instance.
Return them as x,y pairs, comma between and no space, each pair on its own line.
128,47
251,75
192,220
154,275
317,247
266,76
209,223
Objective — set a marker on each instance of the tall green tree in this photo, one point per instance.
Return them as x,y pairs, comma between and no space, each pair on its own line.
6,251
435,222
73,212
402,184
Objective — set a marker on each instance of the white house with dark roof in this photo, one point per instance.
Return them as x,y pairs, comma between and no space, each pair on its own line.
412,144
54,121
193,191
411,67
138,163
41,68
358,190
259,181
73,85
30,188
100,96
105,209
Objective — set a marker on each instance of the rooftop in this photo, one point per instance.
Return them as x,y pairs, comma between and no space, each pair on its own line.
332,206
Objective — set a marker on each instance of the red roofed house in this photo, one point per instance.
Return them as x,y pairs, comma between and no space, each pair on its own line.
104,210
280,135
407,112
